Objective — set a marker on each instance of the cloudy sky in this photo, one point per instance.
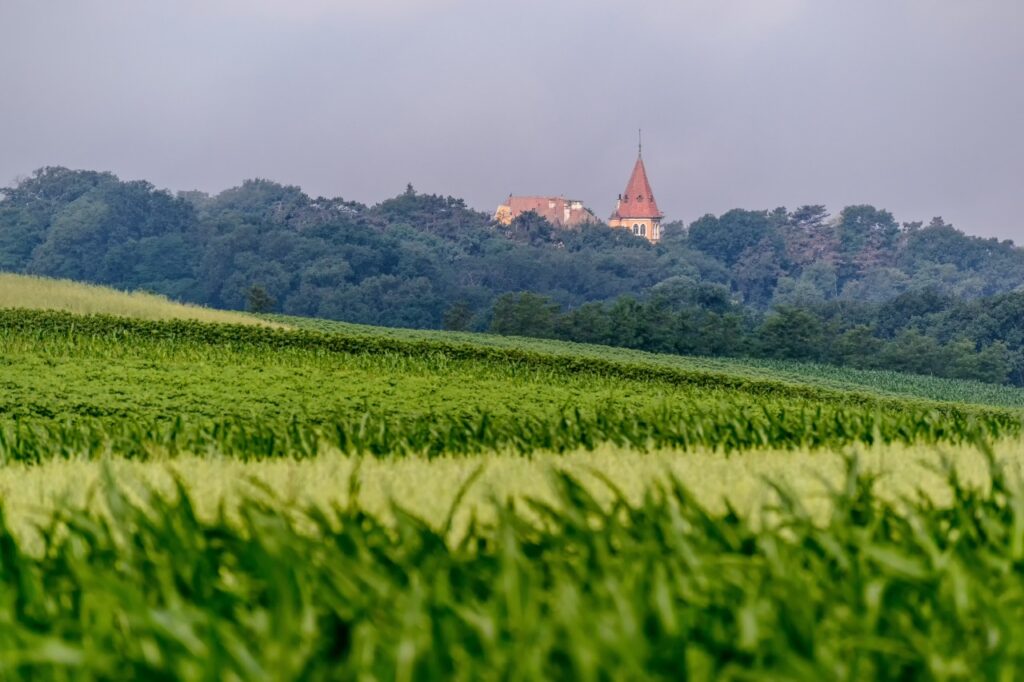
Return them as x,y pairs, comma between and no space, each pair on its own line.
912,105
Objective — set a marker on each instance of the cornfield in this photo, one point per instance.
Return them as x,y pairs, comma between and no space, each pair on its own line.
585,583
577,589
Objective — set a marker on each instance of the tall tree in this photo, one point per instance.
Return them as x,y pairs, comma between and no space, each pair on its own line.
524,314
728,236
810,237
867,239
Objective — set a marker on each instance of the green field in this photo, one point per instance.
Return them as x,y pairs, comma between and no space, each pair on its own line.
88,386
184,500
143,585
880,382
41,293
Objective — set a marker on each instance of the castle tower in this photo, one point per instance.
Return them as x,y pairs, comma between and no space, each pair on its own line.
636,208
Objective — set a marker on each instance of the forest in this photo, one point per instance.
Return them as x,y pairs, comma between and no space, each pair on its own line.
857,288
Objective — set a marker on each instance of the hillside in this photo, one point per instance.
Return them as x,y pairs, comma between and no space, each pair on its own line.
252,431
855,289
22,291
289,503
886,383
409,259
105,383
42,293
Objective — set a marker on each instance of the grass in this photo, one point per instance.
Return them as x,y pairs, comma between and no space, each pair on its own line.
42,293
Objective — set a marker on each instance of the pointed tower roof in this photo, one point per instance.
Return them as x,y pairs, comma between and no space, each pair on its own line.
638,199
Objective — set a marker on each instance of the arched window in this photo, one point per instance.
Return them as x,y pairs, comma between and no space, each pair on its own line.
643,230
636,228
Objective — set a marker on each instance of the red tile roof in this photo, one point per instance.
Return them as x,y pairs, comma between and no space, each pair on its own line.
557,210
638,200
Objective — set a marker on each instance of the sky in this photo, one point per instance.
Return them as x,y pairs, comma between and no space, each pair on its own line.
916,106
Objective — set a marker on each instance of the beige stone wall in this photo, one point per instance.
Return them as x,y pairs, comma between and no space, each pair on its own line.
503,215
647,227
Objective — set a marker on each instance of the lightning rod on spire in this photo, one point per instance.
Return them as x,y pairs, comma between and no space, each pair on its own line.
639,142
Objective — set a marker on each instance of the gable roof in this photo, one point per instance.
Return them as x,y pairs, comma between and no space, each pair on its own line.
638,199
556,210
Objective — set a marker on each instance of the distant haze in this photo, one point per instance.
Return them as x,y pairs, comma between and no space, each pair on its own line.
911,105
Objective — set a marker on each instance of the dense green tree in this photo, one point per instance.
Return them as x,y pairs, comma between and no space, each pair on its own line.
531,228
990,266
816,284
796,292
809,237
991,364
258,300
853,290
92,227
757,273
791,334
627,323
708,333
727,237
589,323
683,292
524,314
911,351
896,313
867,239
856,347
877,285
458,317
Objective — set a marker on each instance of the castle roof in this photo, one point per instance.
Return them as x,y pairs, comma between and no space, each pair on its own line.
638,199
556,210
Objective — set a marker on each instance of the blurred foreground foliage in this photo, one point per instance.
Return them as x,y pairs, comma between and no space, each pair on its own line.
140,587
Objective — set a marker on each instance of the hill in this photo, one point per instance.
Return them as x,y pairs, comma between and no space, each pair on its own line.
42,293
886,383
857,289
105,383
260,502
22,291
407,260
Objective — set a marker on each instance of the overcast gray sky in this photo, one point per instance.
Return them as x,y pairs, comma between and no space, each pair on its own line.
912,105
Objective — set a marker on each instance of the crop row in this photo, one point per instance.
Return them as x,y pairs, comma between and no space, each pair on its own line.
47,327
825,376
723,427
92,386
661,589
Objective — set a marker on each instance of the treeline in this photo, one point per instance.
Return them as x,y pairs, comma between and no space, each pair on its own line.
430,261
403,262
923,332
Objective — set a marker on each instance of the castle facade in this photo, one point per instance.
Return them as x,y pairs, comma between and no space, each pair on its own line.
635,210
558,211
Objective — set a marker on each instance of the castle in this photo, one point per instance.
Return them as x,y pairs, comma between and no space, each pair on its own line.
558,211
635,209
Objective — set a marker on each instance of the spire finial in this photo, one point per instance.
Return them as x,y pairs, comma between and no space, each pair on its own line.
639,142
